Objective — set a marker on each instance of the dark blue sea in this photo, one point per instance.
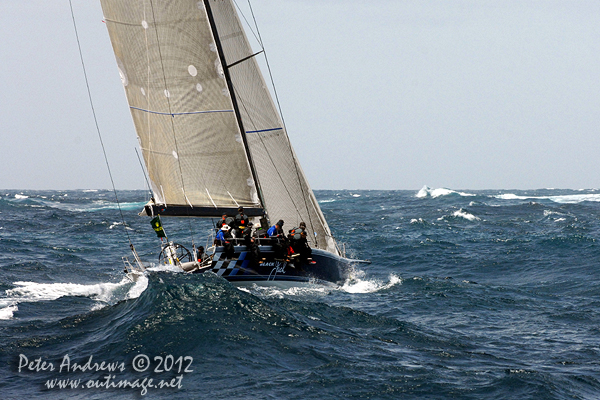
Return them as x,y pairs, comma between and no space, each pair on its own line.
470,295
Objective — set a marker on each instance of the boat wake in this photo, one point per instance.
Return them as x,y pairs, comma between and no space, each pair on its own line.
359,283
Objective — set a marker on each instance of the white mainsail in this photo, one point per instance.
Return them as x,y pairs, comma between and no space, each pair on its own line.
210,133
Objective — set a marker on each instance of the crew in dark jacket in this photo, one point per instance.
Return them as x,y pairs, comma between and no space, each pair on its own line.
299,242
280,244
241,223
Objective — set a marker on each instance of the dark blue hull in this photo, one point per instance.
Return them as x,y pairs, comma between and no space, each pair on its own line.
244,268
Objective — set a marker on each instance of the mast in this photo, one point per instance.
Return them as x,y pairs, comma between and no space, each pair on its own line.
236,109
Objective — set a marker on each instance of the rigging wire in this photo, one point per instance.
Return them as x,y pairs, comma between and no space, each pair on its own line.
96,123
143,171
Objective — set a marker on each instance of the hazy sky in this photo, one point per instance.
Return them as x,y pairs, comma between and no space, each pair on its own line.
471,94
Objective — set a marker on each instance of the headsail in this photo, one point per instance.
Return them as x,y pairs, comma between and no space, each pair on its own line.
209,130
180,104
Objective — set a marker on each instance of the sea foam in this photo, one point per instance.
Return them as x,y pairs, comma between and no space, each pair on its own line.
103,293
562,199
426,191
358,283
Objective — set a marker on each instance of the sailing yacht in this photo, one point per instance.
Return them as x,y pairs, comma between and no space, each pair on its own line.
212,139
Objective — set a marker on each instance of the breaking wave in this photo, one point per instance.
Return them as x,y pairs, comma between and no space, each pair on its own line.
561,199
433,193
103,293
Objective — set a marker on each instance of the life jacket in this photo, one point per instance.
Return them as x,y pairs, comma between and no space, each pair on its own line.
242,220
296,233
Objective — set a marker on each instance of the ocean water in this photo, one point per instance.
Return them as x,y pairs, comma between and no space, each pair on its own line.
470,295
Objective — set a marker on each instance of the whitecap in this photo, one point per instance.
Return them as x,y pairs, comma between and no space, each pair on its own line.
8,312
115,224
510,196
104,293
34,292
424,192
441,192
563,199
138,288
433,193
575,198
547,213
358,284
463,214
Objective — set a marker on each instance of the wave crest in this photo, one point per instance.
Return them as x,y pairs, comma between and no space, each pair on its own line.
103,293
426,191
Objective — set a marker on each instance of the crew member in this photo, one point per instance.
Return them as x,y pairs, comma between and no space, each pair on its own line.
223,238
221,222
299,242
225,220
276,230
241,222
280,244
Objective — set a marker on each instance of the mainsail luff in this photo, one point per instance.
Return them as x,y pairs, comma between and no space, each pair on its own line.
233,97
